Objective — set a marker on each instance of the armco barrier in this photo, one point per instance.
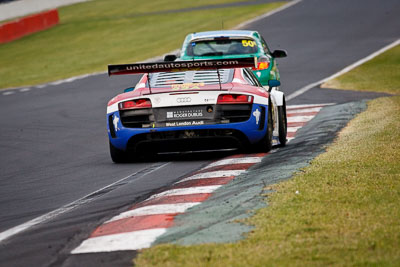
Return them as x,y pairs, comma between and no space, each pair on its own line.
19,28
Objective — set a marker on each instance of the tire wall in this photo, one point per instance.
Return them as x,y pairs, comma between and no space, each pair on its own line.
19,28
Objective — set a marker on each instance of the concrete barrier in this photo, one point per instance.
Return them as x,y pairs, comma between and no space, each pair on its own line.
27,25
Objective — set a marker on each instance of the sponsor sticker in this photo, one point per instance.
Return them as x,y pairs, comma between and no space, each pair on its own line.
183,123
115,122
187,86
210,100
179,114
184,113
181,65
257,114
250,43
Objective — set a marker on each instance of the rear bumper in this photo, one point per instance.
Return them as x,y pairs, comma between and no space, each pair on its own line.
189,138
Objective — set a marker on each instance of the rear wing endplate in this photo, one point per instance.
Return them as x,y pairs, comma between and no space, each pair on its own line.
175,66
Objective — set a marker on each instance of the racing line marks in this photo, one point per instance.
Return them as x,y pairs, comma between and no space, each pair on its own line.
8,93
82,201
144,222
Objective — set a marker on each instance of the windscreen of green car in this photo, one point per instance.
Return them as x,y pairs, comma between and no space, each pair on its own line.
221,47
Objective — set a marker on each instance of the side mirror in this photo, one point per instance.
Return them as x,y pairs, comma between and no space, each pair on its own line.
170,58
130,89
279,53
274,83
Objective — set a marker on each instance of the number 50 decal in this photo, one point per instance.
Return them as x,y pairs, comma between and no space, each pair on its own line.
248,43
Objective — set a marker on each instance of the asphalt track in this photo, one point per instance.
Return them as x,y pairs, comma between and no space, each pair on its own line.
54,145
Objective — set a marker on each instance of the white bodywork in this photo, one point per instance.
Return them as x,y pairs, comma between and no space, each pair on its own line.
172,99
277,98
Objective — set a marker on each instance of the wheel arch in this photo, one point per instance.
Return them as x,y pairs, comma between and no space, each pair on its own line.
278,97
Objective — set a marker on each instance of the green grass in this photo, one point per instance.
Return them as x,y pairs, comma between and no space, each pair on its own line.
346,211
379,75
96,33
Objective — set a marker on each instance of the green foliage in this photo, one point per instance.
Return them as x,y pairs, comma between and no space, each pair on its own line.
378,75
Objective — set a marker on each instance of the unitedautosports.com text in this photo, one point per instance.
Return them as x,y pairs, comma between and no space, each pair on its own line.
179,65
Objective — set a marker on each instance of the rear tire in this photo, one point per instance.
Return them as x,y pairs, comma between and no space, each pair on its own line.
265,145
267,142
117,155
282,124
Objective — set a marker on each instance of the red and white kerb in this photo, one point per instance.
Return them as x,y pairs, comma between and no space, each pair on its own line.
143,223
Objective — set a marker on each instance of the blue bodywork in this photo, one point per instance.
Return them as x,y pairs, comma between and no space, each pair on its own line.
250,128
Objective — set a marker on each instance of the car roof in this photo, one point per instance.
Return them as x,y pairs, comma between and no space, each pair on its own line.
225,33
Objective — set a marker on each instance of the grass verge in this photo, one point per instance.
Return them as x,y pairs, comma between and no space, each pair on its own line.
345,211
378,75
96,33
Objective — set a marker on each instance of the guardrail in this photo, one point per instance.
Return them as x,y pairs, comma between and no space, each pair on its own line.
19,28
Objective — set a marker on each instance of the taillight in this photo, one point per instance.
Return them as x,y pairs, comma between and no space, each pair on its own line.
137,103
262,63
234,99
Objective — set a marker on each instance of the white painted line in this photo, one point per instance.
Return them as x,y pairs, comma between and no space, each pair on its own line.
299,119
24,90
296,111
295,107
155,209
119,242
71,79
58,82
53,214
293,129
8,93
246,23
187,191
343,71
234,161
204,175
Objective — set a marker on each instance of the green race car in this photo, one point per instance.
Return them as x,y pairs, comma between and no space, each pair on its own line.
232,44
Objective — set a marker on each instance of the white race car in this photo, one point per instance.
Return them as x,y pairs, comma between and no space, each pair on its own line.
202,105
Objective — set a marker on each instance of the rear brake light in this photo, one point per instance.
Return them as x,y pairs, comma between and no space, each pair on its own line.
235,99
137,103
262,64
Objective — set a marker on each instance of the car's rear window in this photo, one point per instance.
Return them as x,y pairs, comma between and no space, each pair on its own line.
221,47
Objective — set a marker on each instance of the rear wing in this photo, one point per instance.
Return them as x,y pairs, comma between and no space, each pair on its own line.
175,66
